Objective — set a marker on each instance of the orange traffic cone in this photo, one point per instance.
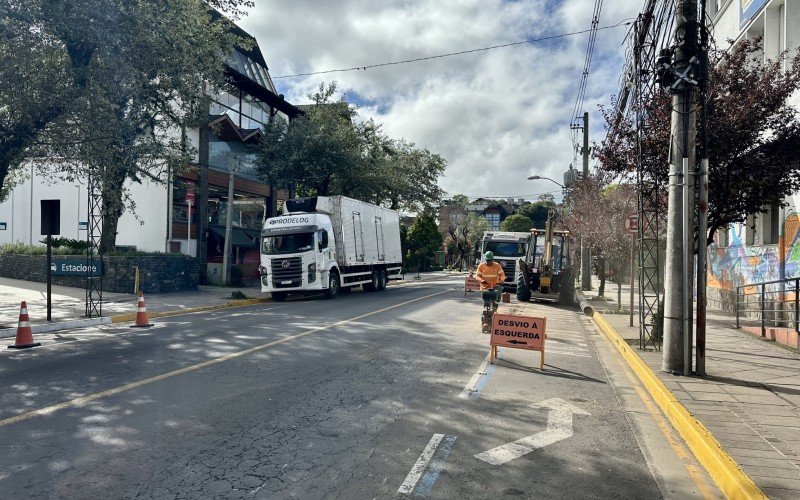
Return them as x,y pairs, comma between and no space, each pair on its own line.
141,314
24,334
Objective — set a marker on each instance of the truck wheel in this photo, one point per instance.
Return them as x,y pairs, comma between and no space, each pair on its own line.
381,280
372,285
523,292
333,286
279,296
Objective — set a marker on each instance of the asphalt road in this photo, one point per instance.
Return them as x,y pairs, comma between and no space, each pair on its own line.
370,395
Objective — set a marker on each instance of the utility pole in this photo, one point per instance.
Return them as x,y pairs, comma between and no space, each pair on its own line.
702,204
680,214
586,265
228,249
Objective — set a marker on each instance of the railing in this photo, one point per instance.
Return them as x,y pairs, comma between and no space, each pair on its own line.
779,299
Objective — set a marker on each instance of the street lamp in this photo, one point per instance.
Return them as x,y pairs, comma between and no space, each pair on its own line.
537,177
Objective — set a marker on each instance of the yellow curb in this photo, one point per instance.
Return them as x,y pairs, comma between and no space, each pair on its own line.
730,478
122,318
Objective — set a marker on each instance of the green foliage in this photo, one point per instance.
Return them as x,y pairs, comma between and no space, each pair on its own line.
517,222
458,199
314,151
537,212
75,246
25,249
327,152
102,83
424,235
424,239
238,295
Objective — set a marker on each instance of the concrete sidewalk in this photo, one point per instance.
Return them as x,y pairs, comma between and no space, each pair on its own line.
68,303
748,401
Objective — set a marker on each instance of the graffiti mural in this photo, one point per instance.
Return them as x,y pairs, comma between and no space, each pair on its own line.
739,264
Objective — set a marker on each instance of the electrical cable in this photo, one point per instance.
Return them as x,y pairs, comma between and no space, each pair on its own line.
462,52
574,125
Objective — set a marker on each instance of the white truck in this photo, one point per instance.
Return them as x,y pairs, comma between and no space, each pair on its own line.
329,244
508,247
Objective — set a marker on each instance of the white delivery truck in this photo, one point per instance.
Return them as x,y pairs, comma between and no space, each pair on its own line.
508,247
329,244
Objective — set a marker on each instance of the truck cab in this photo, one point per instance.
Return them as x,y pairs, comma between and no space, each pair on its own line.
297,254
508,247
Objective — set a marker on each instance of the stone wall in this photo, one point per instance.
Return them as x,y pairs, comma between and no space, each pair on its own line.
158,273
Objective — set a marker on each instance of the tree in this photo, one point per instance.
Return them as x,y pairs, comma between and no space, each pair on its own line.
464,230
318,153
597,212
753,135
424,238
327,152
517,222
396,173
539,211
103,85
458,199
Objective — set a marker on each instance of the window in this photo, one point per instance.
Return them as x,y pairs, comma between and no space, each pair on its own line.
723,238
771,232
506,248
494,220
750,229
288,243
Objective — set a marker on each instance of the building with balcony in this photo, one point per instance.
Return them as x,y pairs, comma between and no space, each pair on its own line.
186,211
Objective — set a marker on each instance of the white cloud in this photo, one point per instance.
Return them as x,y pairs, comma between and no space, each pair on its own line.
496,116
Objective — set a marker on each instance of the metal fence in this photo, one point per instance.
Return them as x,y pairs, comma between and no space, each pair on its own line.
774,303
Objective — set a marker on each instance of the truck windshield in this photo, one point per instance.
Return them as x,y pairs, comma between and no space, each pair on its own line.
288,243
505,248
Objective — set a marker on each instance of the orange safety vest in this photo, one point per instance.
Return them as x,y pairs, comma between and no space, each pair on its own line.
492,274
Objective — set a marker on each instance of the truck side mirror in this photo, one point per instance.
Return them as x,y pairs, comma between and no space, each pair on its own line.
322,237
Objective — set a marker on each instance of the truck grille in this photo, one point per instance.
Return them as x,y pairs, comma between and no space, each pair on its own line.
509,267
287,273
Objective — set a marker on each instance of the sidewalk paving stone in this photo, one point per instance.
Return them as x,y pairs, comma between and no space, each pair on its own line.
749,400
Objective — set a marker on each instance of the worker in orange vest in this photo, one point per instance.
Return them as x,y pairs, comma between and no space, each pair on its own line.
490,274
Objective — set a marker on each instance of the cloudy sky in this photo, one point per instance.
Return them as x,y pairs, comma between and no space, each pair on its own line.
497,116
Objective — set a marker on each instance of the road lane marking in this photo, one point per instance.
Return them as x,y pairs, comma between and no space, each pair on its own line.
422,462
436,466
478,381
559,427
48,410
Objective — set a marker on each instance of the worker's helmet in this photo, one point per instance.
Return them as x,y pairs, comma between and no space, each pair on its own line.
489,256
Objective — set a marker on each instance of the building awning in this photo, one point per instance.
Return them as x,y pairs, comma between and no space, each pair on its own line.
240,237
227,130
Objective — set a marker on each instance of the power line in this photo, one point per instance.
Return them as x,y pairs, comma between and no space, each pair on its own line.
574,125
462,52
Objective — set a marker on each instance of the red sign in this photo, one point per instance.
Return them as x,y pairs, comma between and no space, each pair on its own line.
518,332
190,195
632,223
471,284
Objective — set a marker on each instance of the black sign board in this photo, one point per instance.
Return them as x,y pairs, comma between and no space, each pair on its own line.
51,217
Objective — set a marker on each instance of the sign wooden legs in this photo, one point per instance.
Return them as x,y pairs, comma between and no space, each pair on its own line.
493,355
